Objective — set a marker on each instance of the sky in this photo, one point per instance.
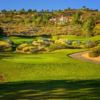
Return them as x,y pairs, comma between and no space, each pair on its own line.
48,4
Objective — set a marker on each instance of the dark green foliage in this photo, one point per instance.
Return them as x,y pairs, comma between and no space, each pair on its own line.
95,52
1,33
57,46
90,44
22,21
88,26
76,18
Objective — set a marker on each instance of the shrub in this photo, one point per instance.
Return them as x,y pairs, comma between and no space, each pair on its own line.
42,49
69,42
30,48
25,48
90,44
35,43
95,52
57,46
76,43
21,46
5,46
60,41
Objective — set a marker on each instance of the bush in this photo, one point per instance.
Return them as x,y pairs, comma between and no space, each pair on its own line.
95,52
60,41
25,48
57,46
90,44
42,49
5,46
76,43
69,42
21,46
30,48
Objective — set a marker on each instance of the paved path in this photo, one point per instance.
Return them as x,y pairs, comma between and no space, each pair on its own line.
80,57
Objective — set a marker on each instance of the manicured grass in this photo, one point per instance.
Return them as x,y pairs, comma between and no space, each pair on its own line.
50,76
51,90
19,40
81,38
51,66
95,38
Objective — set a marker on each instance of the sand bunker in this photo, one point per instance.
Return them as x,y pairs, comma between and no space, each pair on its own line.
86,55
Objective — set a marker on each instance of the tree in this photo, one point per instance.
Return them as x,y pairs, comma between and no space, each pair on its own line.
84,8
88,27
29,10
4,11
22,11
1,32
76,18
45,19
38,20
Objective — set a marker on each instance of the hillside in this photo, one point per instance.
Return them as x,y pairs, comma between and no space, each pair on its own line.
32,22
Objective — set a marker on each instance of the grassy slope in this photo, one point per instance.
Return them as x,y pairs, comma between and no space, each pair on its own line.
53,66
18,40
73,37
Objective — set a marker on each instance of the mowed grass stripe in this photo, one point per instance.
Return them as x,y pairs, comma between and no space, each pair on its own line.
52,66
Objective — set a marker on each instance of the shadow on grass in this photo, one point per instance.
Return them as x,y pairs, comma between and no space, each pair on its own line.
51,90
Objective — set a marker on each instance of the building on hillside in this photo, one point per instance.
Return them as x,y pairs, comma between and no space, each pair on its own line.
53,20
61,19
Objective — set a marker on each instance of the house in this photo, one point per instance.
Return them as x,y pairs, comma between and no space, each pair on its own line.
61,19
53,20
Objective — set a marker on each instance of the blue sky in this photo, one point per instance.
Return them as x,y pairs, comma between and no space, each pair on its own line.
48,4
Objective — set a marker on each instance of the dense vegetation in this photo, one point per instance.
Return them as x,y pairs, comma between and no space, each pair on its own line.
95,52
69,21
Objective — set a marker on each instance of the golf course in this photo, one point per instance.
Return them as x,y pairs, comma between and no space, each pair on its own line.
49,54
50,75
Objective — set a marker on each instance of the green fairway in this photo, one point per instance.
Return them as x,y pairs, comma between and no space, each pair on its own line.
19,40
50,66
81,38
48,51
48,76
